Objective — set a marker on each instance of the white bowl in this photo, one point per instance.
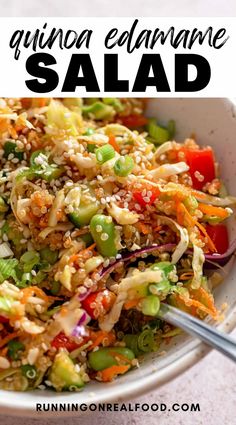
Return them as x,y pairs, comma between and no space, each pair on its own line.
213,121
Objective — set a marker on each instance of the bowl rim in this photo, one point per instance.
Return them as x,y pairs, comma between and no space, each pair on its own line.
146,384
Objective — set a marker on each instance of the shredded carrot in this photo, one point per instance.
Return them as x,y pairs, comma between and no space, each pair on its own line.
98,337
85,253
186,276
8,338
120,357
73,259
110,373
28,292
211,210
189,302
206,298
210,243
132,303
198,194
185,218
63,311
114,144
4,351
157,228
143,228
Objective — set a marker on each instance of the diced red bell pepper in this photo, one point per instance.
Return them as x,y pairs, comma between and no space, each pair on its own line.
137,195
90,304
133,120
201,161
219,235
63,341
4,319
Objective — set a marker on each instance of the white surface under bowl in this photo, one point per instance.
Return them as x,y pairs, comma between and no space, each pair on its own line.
213,121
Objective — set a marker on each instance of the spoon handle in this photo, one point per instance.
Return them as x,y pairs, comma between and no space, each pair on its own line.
208,334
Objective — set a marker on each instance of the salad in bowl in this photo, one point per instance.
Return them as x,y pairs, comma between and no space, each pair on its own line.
103,215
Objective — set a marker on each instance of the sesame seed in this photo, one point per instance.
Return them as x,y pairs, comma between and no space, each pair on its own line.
98,228
104,236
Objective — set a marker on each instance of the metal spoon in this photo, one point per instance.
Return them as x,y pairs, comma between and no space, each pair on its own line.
208,334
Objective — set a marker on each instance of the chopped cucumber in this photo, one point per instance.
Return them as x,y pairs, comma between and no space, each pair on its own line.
63,375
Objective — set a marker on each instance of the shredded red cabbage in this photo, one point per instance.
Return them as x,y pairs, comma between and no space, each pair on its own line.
128,256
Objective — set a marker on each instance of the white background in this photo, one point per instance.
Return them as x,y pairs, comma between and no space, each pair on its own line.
223,70
211,382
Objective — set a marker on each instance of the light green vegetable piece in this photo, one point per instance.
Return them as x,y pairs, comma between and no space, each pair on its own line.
85,211
63,375
6,304
163,287
105,357
103,232
62,119
98,111
7,269
82,216
46,254
150,305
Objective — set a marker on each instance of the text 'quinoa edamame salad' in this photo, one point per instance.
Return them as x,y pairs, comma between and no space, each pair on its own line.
103,215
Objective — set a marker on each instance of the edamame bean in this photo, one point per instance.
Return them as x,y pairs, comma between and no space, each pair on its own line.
103,232
106,357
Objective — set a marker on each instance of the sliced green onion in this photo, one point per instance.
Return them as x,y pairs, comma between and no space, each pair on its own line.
29,260
146,341
51,172
150,305
131,341
35,155
161,288
46,254
159,134
123,166
91,147
113,101
15,349
89,132
26,278
105,153
11,147
191,203
56,286
98,110
29,371
40,276
8,269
